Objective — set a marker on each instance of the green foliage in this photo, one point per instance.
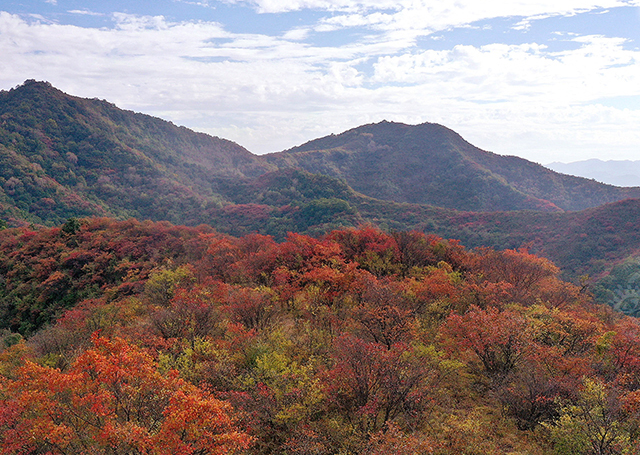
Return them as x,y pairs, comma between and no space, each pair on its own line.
620,288
161,286
430,164
68,157
71,226
593,424
322,211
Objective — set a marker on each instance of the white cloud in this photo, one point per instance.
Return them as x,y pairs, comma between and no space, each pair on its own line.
297,34
430,15
84,12
525,24
601,67
273,92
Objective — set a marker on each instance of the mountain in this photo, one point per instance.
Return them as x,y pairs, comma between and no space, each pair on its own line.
618,173
63,156
431,164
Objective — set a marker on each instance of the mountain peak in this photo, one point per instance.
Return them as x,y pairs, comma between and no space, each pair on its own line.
32,83
431,164
30,87
65,156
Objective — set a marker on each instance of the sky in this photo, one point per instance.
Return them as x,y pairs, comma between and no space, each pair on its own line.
547,80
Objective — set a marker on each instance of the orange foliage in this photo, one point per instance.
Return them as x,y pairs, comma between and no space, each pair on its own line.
113,399
355,342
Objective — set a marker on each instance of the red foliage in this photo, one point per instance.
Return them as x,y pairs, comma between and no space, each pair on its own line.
338,344
525,272
498,338
373,384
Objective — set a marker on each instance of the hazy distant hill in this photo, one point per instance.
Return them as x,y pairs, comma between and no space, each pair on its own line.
619,173
431,164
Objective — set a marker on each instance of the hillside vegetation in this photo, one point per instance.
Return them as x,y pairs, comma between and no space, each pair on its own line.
156,339
430,164
63,157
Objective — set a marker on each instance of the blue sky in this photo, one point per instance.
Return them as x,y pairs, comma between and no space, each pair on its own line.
548,80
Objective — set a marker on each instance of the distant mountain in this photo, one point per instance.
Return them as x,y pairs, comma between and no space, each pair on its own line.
63,156
431,164
624,173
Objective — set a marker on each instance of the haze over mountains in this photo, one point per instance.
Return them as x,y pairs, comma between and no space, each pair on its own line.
613,172
63,156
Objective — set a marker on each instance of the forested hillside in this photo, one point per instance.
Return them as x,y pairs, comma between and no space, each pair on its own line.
156,339
430,164
63,157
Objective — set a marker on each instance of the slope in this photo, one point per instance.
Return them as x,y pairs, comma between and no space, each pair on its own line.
431,164
64,156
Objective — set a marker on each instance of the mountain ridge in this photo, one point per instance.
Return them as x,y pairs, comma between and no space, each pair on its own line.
438,164
623,173
116,150
64,157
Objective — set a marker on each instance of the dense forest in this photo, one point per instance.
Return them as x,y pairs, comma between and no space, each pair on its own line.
294,304
431,164
125,337
63,157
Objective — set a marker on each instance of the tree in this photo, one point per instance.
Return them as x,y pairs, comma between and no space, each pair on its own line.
71,226
498,338
524,271
594,424
113,400
372,385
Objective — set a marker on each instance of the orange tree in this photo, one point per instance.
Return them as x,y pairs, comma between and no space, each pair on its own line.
112,400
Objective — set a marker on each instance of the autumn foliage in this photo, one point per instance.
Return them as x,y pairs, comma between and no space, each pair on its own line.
128,337
112,400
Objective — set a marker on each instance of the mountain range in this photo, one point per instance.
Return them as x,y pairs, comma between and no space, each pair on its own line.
431,164
63,157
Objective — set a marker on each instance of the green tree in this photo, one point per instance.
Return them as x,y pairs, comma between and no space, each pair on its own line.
594,424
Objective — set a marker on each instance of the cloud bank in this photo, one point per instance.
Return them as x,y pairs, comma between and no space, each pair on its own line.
270,91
